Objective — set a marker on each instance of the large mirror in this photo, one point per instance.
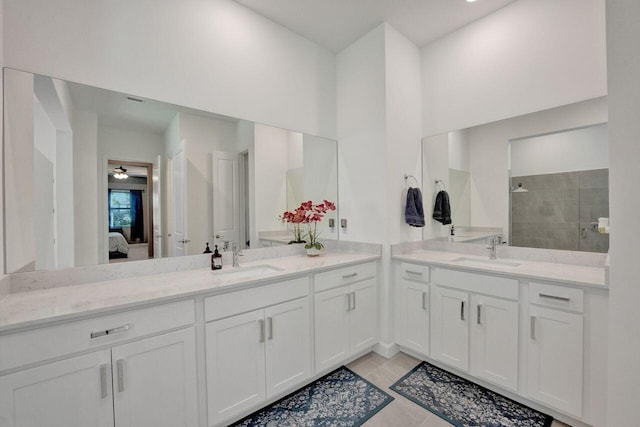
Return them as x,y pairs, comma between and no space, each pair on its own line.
94,176
538,180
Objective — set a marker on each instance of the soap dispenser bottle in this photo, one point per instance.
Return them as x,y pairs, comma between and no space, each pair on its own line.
216,259
207,250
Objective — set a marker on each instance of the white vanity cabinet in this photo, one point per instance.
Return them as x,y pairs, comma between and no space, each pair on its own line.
259,353
346,314
474,325
145,382
74,392
555,347
413,310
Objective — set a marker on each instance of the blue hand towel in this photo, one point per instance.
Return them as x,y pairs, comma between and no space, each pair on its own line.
414,212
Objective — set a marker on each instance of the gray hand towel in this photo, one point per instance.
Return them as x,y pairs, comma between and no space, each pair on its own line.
414,212
442,208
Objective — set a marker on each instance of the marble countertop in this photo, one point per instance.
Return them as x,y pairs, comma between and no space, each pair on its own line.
535,270
39,307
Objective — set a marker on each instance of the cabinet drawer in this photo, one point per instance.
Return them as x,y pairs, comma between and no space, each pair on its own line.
415,272
344,276
477,283
220,306
37,345
556,296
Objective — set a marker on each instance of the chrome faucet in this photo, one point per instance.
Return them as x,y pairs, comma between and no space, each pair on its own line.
235,246
491,246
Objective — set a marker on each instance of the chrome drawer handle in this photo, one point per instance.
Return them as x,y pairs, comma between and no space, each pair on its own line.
353,307
261,326
565,299
479,317
111,331
417,273
349,276
461,310
120,369
104,392
424,300
532,331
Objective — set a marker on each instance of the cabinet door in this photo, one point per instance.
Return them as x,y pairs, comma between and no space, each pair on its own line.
555,359
288,357
450,327
494,341
75,392
363,322
414,316
235,364
331,327
155,381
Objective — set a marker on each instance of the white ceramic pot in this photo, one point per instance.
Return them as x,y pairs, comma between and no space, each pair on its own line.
313,252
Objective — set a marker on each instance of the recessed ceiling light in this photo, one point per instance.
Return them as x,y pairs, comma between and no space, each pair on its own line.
470,1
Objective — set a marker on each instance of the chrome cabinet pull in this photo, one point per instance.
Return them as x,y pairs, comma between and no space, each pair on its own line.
111,331
270,323
565,299
354,300
424,300
416,273
120,369
103,381
478,320
261,327
461,310
348,302
532,331
349,276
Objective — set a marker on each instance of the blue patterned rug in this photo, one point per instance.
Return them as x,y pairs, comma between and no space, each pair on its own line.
463,403
340,398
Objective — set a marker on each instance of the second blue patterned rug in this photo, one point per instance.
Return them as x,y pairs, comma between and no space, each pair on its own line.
341,398
463,403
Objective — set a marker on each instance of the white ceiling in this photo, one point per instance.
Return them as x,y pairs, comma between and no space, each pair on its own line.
116,110
335,24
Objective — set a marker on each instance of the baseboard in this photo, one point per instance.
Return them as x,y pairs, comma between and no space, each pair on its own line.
386,350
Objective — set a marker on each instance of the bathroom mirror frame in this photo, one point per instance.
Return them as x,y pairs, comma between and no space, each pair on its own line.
491,185
241,174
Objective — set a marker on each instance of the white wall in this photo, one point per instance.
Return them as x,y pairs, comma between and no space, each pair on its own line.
19,171
403,129
459,150
488,154
529,56
321,178
129,145
623,34
44,142
88,229
214,56
270,165
576,150
203,136
435,157
362,144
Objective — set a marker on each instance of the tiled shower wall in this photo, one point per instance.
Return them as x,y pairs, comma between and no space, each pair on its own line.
560,210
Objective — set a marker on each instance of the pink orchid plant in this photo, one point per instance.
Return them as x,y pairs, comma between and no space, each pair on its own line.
310,214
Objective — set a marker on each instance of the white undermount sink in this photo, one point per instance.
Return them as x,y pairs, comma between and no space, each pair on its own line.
480,262
254,271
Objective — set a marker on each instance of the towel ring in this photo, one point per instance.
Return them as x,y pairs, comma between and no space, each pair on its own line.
406,178
439,181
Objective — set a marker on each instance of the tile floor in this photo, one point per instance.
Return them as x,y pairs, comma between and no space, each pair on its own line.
400,412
